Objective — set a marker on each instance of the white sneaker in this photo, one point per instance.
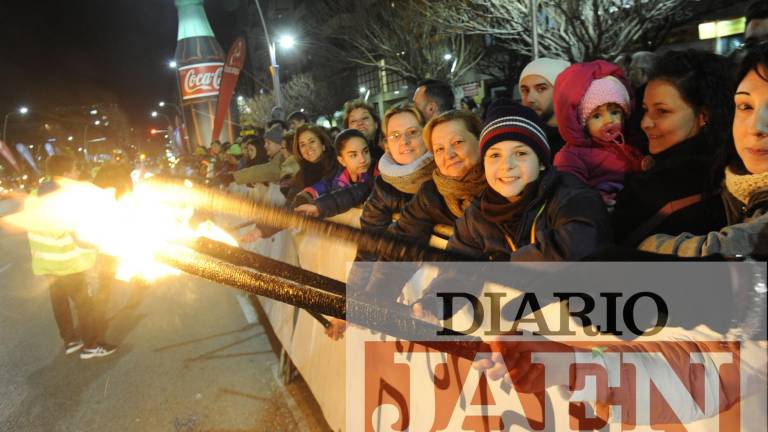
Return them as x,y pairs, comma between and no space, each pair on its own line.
73,347
102,350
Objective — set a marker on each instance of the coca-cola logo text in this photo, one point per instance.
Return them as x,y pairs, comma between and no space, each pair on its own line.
201,80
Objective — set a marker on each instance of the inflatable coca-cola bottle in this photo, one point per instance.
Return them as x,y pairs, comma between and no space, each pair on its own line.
200,62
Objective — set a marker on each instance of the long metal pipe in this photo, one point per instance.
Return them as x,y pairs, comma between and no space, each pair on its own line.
379,244
394,320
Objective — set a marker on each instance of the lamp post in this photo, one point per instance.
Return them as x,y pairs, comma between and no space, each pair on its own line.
22,110
85,136
155,114
285,41
182,115
534,6
163,104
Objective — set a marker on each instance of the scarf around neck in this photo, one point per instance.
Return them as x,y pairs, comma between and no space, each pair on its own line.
742,184
458,192
500,210
407,178
510,214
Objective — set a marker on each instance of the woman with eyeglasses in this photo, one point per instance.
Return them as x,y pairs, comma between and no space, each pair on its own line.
405,166
453,139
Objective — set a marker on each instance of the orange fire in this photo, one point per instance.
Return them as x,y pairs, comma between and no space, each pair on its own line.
133,228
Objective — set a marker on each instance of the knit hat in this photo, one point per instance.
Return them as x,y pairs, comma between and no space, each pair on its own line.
604,90
546,67
510,121
346,134
275,133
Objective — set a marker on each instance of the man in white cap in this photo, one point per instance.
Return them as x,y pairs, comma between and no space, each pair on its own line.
537,83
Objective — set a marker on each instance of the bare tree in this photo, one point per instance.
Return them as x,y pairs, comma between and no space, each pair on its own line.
394,36
300,92
577,30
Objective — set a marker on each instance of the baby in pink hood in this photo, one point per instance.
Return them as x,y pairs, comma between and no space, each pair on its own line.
592,103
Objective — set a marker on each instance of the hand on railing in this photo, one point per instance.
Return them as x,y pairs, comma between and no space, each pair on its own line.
308,210
252,236
337,328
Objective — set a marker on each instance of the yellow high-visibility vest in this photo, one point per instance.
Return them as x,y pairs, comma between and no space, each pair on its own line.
56,253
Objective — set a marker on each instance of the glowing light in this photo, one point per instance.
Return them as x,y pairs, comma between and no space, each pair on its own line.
23,110
70,138
94,112
172,64
447,56
286,41
161,104
152,220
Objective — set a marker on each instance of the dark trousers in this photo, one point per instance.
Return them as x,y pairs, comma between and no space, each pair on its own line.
106,266
73,287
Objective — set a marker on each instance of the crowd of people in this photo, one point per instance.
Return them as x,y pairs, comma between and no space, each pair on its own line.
665,153
669,156
556,176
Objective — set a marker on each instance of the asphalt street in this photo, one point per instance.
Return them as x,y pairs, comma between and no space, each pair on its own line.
191,357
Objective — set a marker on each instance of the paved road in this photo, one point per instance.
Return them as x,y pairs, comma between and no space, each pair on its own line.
188,360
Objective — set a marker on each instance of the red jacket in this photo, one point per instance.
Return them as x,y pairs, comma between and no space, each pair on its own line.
600,167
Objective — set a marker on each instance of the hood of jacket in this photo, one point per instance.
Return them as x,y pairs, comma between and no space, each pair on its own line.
570,87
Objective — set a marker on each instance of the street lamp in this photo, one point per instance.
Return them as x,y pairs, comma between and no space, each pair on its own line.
22,111
286,41
172,64
155,114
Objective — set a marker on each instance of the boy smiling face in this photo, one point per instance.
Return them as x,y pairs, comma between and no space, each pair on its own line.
510,166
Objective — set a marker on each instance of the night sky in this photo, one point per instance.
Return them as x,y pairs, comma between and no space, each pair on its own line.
81,52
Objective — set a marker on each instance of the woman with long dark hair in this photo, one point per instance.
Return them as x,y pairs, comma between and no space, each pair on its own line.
745,168
687,120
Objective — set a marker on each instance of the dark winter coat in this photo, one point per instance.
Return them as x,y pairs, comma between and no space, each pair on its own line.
555,141
379,211
678,172
311,173
746,232
342,200
384,202
419,217
572,225
338,183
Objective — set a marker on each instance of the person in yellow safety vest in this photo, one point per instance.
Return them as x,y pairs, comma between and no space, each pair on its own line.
58,255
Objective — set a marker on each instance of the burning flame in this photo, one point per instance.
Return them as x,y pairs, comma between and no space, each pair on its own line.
134,228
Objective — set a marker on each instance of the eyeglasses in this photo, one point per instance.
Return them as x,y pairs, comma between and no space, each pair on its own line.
409,133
